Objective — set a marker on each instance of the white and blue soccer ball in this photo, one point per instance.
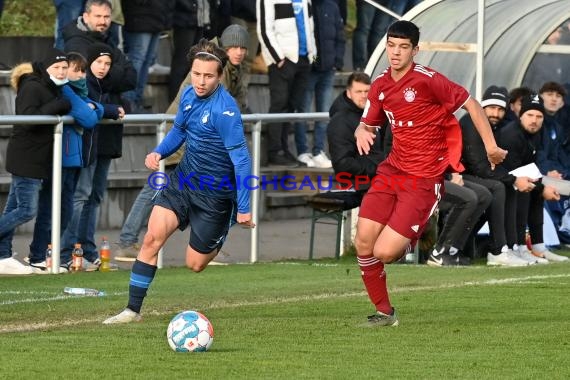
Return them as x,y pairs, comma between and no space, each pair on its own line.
190,331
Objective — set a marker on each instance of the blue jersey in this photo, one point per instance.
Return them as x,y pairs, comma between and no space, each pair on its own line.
216,159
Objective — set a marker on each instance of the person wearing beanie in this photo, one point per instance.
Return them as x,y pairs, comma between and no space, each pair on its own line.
30,149
498,180
235,40
86,114
522,140
100,147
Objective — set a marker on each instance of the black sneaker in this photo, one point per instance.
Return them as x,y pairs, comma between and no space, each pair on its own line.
381,319
441,259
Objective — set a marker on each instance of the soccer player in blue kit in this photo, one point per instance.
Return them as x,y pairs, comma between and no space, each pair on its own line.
206,189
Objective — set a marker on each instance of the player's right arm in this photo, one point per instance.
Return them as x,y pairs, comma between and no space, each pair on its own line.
364,136
372,118
495,154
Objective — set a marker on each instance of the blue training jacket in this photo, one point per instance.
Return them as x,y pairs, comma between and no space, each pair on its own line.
216,159
85,117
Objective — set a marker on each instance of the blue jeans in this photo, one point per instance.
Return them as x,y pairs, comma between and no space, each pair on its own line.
139,214
21,207
67,11
319,87
86,200
42,227
141,50
371,25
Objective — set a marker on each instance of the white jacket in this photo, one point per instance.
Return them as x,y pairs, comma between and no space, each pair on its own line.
277,30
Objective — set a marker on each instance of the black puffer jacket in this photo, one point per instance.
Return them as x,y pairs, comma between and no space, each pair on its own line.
147,16
345,117
30,148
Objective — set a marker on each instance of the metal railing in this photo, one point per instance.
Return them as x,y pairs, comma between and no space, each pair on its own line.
160,121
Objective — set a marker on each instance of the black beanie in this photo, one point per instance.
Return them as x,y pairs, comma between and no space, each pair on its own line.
495,96
53,55
96,50
532,102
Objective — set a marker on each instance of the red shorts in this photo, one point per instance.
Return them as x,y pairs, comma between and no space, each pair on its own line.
401,201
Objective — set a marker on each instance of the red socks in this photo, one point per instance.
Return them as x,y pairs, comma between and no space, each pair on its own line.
374,278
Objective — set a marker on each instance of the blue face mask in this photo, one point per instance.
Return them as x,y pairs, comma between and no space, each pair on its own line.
58,82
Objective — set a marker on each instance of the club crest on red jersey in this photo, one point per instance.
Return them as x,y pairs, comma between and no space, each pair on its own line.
410,94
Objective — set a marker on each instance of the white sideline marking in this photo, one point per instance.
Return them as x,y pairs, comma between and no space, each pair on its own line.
25,327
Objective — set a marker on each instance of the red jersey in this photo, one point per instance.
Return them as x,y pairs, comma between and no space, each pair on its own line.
418,107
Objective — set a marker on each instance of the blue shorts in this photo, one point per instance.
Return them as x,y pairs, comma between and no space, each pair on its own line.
209,218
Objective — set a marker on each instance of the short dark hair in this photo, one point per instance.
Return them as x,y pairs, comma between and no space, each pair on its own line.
78,60
404,29
90,3
518,93
553,87
357,76
208,51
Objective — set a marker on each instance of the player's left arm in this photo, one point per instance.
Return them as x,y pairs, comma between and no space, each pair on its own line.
231,131
495,154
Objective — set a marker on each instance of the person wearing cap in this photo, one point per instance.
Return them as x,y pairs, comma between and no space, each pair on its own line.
522,139
30,148
497,180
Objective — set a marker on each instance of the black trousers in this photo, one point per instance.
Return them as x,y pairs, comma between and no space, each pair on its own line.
495,213
465,205
287,86
530,212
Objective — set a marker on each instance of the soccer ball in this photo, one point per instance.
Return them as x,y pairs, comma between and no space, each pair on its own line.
190,331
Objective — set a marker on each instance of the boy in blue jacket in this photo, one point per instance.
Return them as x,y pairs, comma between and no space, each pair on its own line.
87,114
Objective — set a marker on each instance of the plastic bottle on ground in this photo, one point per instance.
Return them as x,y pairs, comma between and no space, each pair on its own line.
77,258
49,253
105,255
83,292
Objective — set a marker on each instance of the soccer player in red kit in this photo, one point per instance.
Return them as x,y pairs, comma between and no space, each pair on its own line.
419,103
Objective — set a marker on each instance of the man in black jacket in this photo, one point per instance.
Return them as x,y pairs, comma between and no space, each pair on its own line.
345,114
522,139
497,180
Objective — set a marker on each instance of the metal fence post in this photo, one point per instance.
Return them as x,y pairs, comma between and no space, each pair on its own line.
160,133
255,193
56,196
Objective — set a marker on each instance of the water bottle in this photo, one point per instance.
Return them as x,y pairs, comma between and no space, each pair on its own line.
77,258
105,254
83,292
49,253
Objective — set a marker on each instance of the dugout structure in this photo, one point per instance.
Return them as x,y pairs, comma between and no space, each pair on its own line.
511,45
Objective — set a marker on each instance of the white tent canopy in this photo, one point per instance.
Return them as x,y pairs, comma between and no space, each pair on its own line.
514,32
